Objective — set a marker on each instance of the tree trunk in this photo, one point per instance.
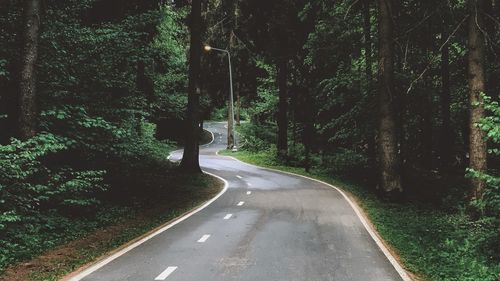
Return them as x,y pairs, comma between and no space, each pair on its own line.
307,145
282,120
368,44
371,143
476,79
389,158
238,104
446,142
27,84
190,161
427,128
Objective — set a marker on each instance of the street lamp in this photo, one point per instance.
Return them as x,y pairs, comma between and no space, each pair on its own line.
231,135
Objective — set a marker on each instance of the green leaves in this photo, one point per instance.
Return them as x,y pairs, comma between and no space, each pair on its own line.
29,187
490,124
3,70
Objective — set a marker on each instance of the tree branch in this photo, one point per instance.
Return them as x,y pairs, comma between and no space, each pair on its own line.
434,58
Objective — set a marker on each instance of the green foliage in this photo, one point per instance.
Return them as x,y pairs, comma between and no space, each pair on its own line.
491,126
491,123
3,71
255,138
102,80
344,162
219,114
489,204
263,109
32,192
341,162
144,151
170,81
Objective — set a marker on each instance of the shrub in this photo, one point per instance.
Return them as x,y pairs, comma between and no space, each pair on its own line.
256,138
31,192
344,162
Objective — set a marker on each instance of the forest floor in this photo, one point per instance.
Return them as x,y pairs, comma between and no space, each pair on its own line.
431,243
125,225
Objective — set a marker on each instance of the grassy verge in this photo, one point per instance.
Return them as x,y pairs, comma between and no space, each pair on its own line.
431,243
163,196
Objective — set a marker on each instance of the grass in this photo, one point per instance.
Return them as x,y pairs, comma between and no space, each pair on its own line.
433,244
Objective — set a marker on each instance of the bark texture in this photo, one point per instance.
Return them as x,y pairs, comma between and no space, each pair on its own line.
476,79
190,159
389,158
446,140
372,147
27,82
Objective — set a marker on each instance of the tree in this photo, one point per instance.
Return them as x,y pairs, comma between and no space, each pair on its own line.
389,159
190,159
446,130
27,84
476,81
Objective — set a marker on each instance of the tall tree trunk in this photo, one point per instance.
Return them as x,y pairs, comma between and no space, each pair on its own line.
426,140
282,120
389,158
371,151
367,44
190,159
446,142
308,134
427,97
238,104
27,84
476,79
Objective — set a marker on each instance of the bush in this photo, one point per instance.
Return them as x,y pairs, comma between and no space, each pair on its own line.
344,162
256,137
31,192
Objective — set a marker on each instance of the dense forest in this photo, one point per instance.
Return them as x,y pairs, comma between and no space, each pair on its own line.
397,98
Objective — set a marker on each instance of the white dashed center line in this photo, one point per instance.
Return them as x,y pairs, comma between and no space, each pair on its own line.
240,203
166,273
228,216
249,192
204,238
238,176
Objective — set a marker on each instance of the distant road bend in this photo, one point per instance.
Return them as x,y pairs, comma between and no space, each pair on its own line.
266,225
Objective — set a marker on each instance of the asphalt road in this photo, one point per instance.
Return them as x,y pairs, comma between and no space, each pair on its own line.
266,226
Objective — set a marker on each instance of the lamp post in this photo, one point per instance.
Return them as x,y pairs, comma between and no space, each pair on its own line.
231,135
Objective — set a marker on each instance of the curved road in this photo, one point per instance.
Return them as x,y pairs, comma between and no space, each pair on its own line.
267,226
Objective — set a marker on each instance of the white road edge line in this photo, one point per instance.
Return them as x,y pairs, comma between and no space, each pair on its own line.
203,238
228,216
166,273
240,203
213,139
401,271
249,192
120,252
